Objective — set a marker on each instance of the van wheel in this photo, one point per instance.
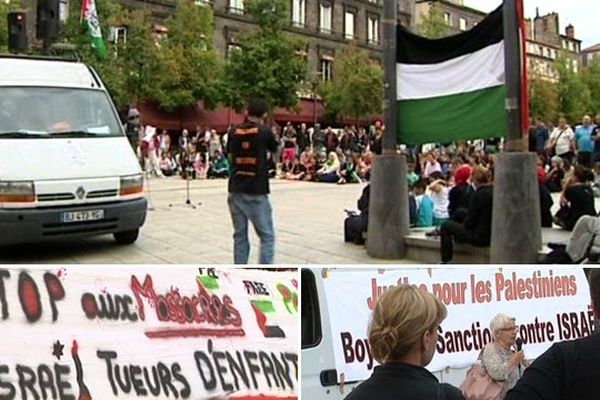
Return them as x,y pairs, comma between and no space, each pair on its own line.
126,237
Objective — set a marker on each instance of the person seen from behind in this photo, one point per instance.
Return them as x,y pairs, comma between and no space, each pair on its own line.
247,147
403,335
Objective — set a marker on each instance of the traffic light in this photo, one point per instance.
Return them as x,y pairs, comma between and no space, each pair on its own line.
48,19
17,31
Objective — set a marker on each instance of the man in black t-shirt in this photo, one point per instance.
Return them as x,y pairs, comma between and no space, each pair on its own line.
568,370
248,198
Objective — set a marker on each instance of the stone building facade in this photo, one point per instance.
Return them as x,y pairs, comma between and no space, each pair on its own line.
591,54
545,43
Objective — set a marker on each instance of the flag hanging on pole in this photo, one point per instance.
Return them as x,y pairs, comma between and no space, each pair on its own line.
453,88
89,18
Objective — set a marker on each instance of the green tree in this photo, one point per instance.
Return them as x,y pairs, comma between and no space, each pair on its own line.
356,88
543,99
433,25
267,63
129,70
188,67
5,8
574,95
591,78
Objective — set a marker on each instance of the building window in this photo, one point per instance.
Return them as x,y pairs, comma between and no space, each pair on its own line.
325,19
325,70
448,19
299,13
462,23
231,48
349,25
63,10
372,29
236,6
117,34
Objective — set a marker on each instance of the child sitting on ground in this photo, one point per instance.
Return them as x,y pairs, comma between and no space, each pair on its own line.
424,204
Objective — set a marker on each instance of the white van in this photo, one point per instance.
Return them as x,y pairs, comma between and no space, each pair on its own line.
319,376
66,167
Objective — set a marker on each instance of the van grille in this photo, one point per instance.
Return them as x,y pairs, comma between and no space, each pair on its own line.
55,197
102,193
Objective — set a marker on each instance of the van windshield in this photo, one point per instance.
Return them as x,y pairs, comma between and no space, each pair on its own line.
44,112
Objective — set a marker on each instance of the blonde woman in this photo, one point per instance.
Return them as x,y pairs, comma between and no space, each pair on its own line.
329,171
498,358
403,335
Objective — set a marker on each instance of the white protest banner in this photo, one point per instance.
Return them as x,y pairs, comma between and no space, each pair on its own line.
120,332
550,305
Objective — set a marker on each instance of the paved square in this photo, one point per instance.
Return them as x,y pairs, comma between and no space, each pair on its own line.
308,221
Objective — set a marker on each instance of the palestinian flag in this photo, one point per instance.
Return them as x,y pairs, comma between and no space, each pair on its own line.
89,19
453,88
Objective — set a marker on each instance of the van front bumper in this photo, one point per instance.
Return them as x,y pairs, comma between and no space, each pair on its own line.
44,224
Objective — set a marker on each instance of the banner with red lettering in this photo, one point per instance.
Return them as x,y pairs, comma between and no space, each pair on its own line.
120,332
549,304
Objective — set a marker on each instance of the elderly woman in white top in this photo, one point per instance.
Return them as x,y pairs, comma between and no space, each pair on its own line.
499,359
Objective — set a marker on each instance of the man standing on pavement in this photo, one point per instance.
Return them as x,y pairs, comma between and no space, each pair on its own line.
568,370
585,145
248,199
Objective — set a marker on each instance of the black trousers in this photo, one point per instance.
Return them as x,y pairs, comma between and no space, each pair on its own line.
451,231
585,158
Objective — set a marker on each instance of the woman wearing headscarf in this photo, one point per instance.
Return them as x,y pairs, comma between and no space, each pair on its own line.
460,194
403,336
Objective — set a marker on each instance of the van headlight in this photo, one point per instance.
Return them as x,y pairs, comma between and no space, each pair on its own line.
17,192
131,184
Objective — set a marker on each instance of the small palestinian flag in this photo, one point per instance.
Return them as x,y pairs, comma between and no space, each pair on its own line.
89,19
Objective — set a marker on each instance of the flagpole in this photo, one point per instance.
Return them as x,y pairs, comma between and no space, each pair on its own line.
512,65
388,205
516,217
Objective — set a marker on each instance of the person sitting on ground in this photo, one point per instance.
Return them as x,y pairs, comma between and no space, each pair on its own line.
286,167
431,165
200,165
364,166
329,171
438,192
596,184
307,160
356,225
460,194
167,165
402,335
219,166
499,360
296,172
569,369
411,176
424,204
348,171
546,201
577,199
477,226
554,177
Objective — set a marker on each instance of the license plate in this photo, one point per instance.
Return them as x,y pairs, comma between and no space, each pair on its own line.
80,216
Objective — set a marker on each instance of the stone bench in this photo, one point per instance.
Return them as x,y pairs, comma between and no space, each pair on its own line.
426,250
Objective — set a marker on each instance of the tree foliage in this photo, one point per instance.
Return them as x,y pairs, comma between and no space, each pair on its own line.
356,88
267,63
433,25
188,68
574,95
591,78
129,70
543,99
